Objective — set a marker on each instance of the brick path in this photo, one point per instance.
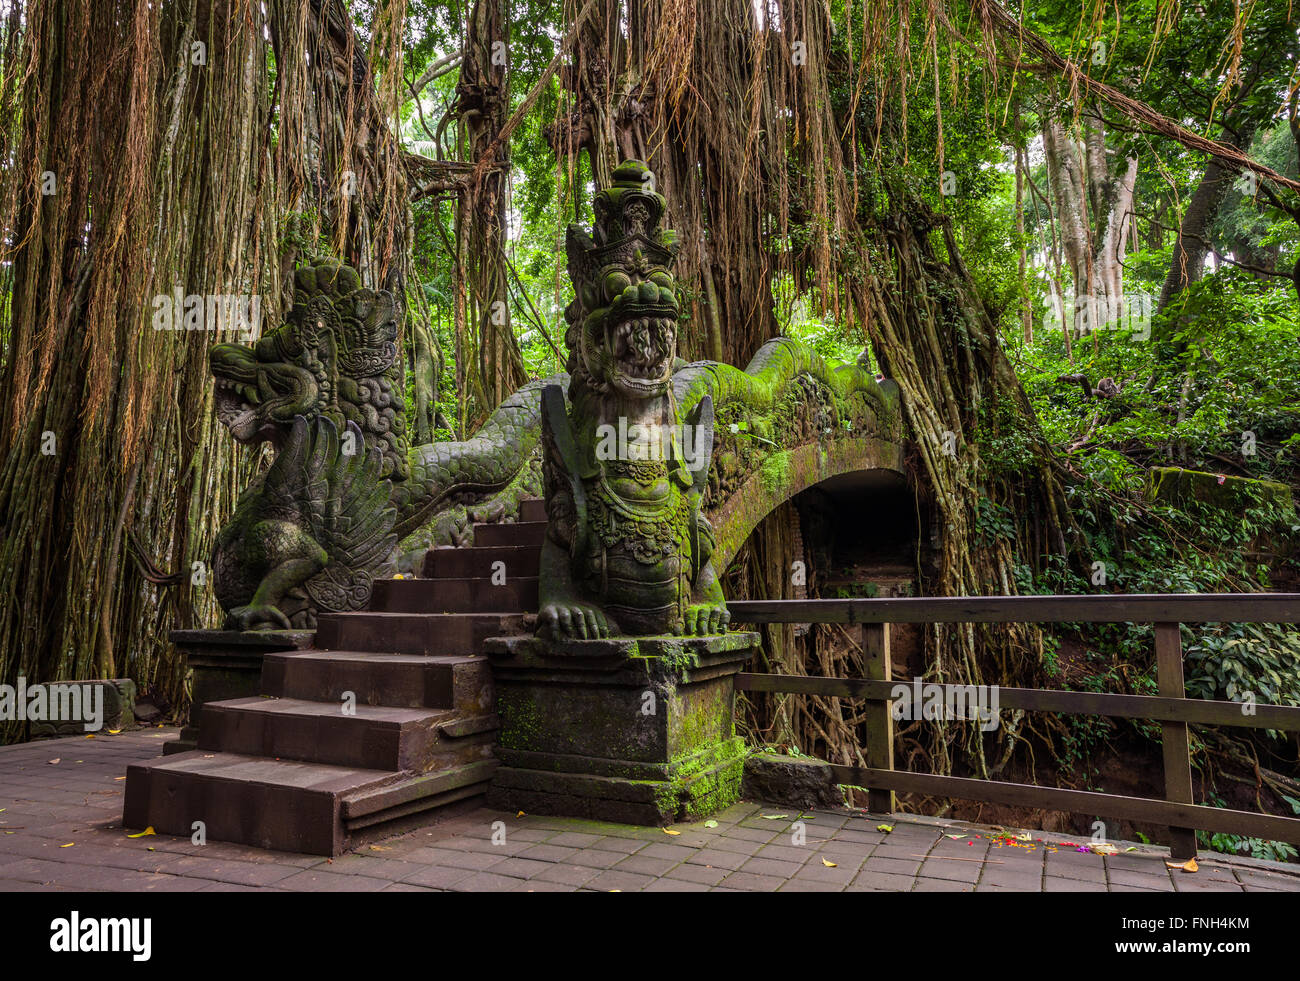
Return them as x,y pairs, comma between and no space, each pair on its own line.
77,803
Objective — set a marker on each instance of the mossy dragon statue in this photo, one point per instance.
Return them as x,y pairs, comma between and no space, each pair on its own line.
347,497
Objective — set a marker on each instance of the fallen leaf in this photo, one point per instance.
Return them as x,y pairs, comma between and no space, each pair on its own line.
1104,848
1131,848
115,732
90,735
68,845
119,778
152,849
55,761
829,864
954,836
886,828
1188,866
146,831
520,814
1024,837
773,817
710,824
670,831
380,848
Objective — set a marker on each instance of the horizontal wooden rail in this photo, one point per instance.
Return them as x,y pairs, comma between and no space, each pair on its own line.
1202,711
1219,819
1101,608
1170,707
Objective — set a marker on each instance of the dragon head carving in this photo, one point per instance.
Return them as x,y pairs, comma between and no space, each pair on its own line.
622,333
335,355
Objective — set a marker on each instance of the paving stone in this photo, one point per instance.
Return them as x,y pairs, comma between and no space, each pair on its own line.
943,885
750,882
896,866
738,846
811,885
438,877
933,868
716,858
549,853
881,882
542,885
762,834
697,873
596,858
1191,882
768,866
569,875
798,854
520,868
313,880
629,846
1141,880
646,865
1056,884
484,882
622,881
664,850
575,839
676,885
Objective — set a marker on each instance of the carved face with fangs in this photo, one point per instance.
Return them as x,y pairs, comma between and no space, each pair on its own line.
623,321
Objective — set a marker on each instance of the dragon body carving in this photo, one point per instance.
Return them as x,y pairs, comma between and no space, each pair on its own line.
634,516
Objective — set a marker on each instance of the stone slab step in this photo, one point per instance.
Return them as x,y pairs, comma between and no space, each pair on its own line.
515,534
532,509
477,563
285,804
413,633
371,737
367,807
399,680
478,595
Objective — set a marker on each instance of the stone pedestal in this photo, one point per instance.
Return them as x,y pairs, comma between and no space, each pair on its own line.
635,730
226,664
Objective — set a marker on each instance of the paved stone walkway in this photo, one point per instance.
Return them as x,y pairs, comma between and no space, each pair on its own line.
61,802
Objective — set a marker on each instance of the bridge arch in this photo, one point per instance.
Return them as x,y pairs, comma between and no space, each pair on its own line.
787,473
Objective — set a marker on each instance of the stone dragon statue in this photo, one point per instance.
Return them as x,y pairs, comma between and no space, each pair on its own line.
347,500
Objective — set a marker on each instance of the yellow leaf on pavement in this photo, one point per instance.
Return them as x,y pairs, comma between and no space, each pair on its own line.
146,831
829,864
670,831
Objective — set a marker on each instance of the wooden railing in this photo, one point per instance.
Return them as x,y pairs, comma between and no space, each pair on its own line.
1169,707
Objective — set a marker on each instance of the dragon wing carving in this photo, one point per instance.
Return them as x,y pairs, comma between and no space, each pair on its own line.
332,485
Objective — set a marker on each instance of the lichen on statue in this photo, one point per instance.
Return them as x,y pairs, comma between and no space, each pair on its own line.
628,547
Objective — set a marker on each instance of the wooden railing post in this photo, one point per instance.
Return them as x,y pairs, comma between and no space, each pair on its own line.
1177,751
879,721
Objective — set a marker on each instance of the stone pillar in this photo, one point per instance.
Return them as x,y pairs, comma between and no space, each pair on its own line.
226,664
634,730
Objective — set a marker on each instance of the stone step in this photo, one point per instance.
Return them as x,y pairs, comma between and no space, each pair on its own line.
370,737
477,563
532,509
413,633
287,805
399,680
477,595
516,534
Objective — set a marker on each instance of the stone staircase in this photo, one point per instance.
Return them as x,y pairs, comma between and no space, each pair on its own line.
391,715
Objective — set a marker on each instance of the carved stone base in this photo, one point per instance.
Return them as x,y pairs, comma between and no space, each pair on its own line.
633,730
